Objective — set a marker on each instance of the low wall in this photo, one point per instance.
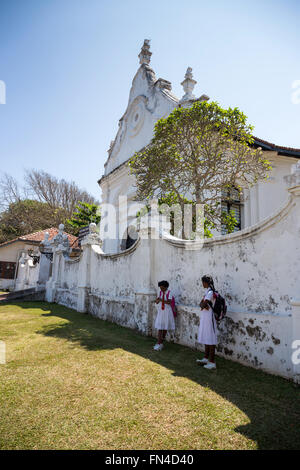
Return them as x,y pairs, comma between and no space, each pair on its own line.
260,340
31,295
256,269
6,283
257,340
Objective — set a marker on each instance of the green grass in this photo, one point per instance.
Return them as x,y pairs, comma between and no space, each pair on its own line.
75,382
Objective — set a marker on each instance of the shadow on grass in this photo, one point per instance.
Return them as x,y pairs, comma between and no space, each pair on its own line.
271,403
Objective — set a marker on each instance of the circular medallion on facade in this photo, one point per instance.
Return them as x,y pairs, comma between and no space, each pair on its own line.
136,116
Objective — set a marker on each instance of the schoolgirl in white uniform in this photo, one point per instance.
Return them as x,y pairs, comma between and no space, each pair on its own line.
207,333
165,318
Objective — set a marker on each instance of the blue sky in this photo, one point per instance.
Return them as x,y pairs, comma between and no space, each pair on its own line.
68,67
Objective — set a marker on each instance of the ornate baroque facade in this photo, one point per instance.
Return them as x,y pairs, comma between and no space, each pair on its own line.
150,99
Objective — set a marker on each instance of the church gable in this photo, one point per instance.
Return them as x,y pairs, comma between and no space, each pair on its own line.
149,100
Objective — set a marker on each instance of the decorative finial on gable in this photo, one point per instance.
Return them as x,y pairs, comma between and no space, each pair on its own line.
145,54
188,85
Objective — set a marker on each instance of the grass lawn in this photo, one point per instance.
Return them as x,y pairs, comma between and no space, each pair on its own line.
75,382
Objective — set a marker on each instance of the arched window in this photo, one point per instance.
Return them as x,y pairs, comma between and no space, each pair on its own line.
130,237
231,201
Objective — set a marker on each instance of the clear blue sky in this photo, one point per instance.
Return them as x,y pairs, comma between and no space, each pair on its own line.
68,67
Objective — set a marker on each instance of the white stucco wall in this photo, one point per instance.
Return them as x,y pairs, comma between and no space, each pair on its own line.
11,253
257,270
266,197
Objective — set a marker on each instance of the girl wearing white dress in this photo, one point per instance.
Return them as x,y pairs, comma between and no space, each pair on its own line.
165,317
207,333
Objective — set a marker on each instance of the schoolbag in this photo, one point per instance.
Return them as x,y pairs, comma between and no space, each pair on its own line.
173,305
220,307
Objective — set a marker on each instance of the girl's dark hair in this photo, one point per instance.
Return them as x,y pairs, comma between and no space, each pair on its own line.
163,284
209,281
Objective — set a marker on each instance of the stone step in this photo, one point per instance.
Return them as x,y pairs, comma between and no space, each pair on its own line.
21,294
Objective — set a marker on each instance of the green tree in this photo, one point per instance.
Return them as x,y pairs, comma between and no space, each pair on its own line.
195,154
84,214
27,216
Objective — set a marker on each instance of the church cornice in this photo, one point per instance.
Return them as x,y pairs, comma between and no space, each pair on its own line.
265,146
114,171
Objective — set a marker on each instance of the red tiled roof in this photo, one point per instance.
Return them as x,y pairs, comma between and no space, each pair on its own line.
37,237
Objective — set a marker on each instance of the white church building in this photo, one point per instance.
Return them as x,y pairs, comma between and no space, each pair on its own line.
257,268
150,99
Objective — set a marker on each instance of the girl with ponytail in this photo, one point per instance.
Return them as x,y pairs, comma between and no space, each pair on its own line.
207,333
165,314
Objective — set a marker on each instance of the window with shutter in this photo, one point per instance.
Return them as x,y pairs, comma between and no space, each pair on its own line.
7,269
231,201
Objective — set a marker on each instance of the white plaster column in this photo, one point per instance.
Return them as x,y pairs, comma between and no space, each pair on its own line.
60,248
293,182
22,272
296,339
53,282
61,269
84,275
84,278
146,293
45,261
247,207
44,272
122,220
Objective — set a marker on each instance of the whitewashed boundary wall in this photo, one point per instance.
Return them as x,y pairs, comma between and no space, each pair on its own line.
257,270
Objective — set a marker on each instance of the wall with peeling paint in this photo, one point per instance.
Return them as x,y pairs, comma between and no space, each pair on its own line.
256,269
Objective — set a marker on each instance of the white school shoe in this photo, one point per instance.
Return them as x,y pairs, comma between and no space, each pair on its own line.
158,347
210,365
202,361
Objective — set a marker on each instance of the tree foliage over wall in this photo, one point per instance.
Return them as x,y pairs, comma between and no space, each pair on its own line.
83,215
43,201
27,216
195,154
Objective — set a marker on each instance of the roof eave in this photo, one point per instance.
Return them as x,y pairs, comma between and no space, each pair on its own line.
284,151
